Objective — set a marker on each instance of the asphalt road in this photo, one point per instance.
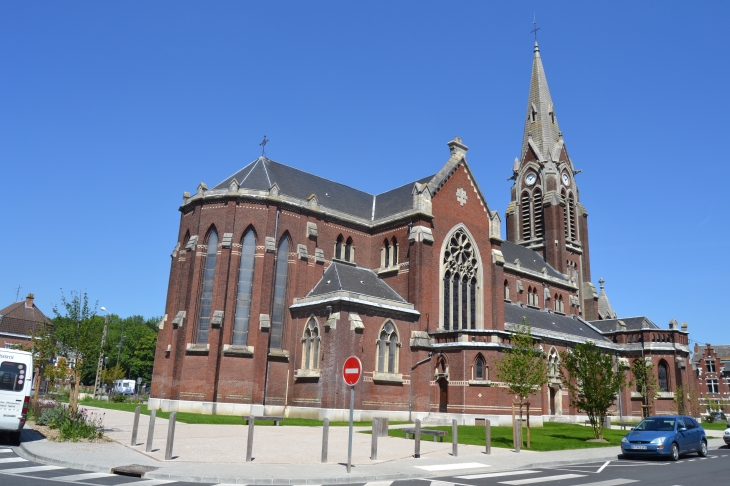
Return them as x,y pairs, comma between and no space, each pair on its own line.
690,470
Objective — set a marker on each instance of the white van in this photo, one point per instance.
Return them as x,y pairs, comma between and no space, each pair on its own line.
124,387
16,383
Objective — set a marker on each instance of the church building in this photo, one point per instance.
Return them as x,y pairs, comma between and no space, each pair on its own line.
279,275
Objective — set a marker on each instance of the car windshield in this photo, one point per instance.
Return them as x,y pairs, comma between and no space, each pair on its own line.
657,424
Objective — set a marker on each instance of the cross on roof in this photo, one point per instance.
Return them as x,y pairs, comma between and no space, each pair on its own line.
536,28
263,146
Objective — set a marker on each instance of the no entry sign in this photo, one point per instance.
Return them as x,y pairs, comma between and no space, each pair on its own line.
352,370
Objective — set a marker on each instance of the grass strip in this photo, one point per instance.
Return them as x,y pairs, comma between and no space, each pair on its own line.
550,437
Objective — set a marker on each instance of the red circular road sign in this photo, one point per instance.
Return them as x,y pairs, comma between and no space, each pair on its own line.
352,370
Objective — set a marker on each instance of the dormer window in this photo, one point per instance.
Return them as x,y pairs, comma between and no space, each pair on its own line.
533,112
551,112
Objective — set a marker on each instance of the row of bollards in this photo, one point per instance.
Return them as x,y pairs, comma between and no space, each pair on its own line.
151,431
325,436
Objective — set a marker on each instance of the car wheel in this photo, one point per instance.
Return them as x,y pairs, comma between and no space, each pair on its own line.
674,454
703,449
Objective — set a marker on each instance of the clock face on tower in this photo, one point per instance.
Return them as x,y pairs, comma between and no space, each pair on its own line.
566,180
530,179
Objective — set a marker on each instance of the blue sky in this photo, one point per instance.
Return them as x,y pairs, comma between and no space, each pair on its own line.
110,110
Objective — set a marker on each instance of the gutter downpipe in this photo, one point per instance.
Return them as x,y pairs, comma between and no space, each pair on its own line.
410,387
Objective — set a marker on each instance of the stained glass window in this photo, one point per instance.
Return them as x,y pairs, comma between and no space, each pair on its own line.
245,287
206,297
277,314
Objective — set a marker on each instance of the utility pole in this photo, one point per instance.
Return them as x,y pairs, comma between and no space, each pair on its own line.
101,353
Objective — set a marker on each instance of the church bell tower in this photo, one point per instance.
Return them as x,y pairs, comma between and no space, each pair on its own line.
545,213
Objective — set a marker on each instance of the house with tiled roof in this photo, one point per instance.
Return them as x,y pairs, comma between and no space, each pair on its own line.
21,319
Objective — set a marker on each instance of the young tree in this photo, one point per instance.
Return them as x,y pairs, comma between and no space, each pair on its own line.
646,383
593,382
523,369
79,331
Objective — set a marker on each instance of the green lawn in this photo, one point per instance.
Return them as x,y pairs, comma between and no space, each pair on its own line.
197,418
550,437
714,426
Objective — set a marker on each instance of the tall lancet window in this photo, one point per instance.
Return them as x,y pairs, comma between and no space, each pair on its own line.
461,298
245,287
206,296
277,313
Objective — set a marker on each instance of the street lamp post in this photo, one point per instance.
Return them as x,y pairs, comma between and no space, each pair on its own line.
101,352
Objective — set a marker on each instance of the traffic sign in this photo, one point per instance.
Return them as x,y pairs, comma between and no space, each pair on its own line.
352,370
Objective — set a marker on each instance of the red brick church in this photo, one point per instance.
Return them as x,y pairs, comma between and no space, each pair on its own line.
278,275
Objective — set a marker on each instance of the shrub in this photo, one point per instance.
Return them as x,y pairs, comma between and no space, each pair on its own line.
119,398
72,426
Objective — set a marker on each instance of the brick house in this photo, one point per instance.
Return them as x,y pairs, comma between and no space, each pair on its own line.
19,320
278,275
711,366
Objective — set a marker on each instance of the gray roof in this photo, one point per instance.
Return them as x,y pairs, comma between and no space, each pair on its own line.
632,324
545,133
605,311
721,350
548,321
529,259
341,276
263,173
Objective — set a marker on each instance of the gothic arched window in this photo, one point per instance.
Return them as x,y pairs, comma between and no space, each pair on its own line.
394,252
245,288
663,377
206,295
480,369
386,254
338,248
277,313
506,290
349,251
387,349
310,345
461,299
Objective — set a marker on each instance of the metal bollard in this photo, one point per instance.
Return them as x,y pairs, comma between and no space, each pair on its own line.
488,436
518,435
170,436
151,430
325,438
249,443
374,440
135,426
417,439
454,438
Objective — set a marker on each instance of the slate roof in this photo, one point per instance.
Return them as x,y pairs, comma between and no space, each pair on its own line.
341,276
548,321
529,259
632,324
605,310
721,350
545,133
262,173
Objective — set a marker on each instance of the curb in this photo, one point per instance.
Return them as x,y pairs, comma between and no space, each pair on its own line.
26,454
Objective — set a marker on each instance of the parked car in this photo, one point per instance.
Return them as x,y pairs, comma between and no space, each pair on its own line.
726,436
667,435
717,416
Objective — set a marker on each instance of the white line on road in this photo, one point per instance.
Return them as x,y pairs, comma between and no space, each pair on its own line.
151,482
379,483
496,475
543,479
24,470
82,477
4,451
604,466
12,459
449,467
610,482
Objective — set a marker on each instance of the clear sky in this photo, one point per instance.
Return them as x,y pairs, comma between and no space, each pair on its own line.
110,110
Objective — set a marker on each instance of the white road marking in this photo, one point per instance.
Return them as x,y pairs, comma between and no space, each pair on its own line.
24,470
4,451
155,482
449,467
543,479
496,475
610,482
83,477
604,466
12,459
379,483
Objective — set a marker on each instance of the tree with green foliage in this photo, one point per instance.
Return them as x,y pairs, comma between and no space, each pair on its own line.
646,383
523,368
592,381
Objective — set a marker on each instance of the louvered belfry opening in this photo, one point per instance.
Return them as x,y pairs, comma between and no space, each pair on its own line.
571,212
526,223
537,212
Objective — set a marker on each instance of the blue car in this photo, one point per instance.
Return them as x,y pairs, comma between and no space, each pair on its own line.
665,435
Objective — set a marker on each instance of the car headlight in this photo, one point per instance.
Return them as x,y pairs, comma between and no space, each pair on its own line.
658,440
626,441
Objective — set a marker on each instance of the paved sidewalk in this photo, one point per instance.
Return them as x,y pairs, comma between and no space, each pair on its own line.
282,455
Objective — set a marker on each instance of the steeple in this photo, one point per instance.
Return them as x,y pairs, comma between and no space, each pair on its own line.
605,311
541,123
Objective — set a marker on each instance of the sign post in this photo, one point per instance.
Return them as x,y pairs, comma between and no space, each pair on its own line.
351,373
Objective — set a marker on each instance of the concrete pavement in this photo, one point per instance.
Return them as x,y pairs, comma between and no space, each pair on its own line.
282,455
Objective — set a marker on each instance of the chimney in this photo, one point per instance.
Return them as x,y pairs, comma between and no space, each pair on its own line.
684,327
457,148
29,301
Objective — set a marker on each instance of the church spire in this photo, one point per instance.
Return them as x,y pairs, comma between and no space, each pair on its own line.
541,123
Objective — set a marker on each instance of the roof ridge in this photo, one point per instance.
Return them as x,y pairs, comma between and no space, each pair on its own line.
339,282
263,164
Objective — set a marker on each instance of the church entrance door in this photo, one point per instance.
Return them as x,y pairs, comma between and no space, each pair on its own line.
553,392
443,395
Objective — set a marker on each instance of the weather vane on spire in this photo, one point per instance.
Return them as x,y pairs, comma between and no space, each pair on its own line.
263,146
535,27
